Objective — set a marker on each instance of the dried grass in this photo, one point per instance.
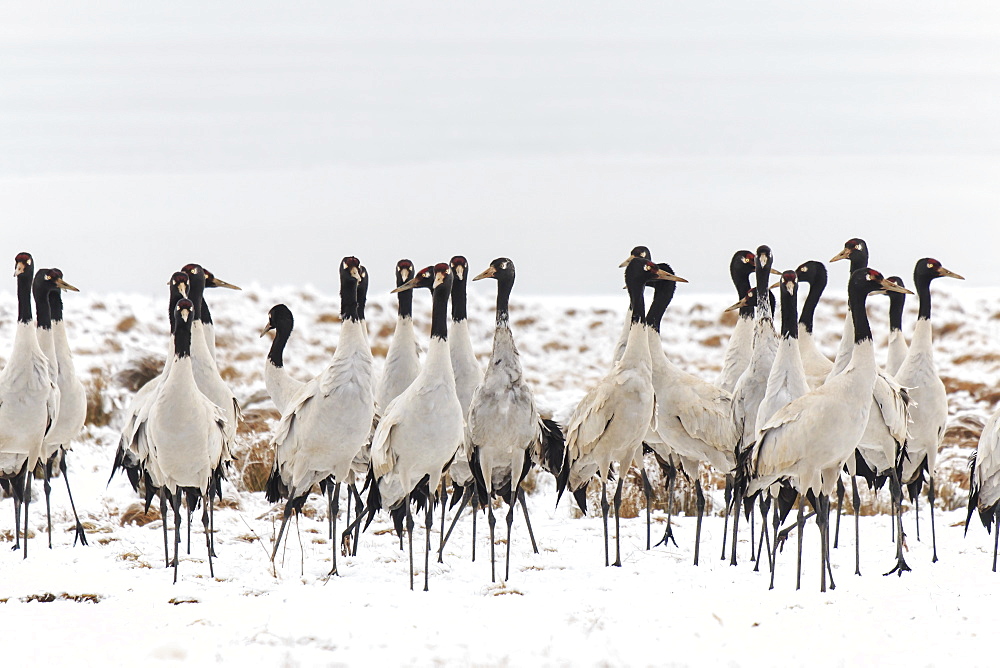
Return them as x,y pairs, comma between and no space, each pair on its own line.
135,514
139,372
127,324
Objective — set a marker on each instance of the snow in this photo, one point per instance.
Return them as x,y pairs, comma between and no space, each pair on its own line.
561,606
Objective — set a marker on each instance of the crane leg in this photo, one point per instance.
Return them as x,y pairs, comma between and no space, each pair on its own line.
753,556
930,502
409,535
527,519
700,496
799,526
208,534
841,491
284,522
737,508
826,540
605,507
765,505
510,524
493,557
916,513
334,511
647,492
618,506
475,516
725,516
17,486
896,490
190,513
428,523
856,500
444,511
454,521
358,507
27,502
774,548
166,524
48,494
81,535
176,503
996,536
668,533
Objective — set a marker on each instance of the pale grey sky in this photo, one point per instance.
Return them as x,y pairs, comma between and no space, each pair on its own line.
267,140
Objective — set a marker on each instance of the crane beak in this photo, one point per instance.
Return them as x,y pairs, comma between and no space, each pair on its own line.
65,286
667,276
356,274
19,268
266,330
489,273
950,274
627,260
774,285
842,255
892,287
183,289
775,272
218,283
409,285
738,305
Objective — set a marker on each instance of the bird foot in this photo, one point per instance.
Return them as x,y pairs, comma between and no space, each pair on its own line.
668,537
900,567
81,535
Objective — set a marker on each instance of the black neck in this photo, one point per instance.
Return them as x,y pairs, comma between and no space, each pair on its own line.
281,335
206,315
43,315
763,294
504,286
196,293
24,296
175,296
747,310
439,313
458,298
896,302
182,338
663,292
859,315
349,299
56,305
638,302
816,287
789,314
859,259
741,280
922,284
405,309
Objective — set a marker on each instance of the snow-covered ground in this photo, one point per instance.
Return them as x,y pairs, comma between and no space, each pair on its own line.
114,601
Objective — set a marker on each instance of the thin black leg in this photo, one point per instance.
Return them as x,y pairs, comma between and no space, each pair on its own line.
358,507
725,516
284,522
700,496
930,502
996,536
774,549
737,511
177,529
334,511
856,500
454,521
647,492
753,556
799,528
840,504
510,525
428,523
47,485
166,525
618,507
81,535
605,507
493,556
444,511
409,535
475,516
190,512
896,490
527,519
27,502
208,532
916,512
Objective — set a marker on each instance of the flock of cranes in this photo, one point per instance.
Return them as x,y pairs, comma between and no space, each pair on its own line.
782,421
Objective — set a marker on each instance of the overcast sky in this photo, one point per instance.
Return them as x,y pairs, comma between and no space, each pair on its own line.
268,140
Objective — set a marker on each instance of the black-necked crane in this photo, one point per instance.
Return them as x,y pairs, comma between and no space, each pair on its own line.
740,347
641,252
423,428
281,386
610,422
807,442
897,348
929,410
73,396
817,365
883,444
693,421
71,411
330,419
133,454
185,433
506,433
27,405
752,385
